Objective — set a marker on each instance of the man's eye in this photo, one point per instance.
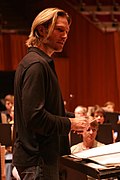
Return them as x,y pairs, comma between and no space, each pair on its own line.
59,29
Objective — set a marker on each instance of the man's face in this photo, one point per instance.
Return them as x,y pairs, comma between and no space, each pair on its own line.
58,37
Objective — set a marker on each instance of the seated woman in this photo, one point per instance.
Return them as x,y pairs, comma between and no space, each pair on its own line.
89,140
99,114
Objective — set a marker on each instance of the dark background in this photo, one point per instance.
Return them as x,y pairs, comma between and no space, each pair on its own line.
6,83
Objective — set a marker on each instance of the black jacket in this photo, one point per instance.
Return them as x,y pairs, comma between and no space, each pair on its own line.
41,126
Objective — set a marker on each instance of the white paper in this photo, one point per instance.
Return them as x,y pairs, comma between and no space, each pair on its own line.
109,160
107,155
96,166
98,151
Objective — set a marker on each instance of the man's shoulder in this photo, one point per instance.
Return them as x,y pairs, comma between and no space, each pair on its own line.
30,59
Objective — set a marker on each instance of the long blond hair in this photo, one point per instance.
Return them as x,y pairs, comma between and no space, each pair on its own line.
47,18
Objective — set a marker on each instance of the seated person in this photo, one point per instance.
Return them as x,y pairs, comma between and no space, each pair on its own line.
99,114
7,117
80,111
109,106
6,114
11,171
89,141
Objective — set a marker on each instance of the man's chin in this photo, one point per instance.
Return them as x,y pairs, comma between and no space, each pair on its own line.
59,50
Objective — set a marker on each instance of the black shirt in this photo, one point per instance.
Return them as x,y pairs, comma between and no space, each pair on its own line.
41,126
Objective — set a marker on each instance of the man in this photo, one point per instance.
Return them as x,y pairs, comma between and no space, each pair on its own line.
41,126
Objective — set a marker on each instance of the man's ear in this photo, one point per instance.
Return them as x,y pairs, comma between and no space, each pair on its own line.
42,30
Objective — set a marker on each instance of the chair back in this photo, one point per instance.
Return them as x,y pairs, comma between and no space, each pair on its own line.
2,163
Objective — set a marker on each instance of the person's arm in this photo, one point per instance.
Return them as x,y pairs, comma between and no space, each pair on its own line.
69,114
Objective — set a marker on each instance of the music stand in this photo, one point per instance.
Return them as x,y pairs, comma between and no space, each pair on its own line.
104,134
5,134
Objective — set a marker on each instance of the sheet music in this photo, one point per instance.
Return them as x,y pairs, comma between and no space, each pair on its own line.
106,155
109,159
106,149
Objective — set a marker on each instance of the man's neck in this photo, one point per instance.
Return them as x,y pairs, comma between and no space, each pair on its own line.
46,49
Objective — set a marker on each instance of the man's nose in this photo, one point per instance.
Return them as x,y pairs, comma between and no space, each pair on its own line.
65,35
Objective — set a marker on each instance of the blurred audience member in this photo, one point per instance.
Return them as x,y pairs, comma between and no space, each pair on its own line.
109,106
6,114
91,109
80,111
99,115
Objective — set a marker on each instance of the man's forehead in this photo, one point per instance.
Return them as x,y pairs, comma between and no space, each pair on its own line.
62,20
